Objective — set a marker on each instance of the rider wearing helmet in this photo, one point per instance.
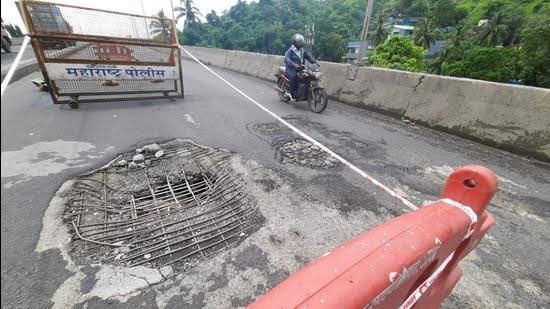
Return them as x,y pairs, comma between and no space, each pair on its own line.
295,57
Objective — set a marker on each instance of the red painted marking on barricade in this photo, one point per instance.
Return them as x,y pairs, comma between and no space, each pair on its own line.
409,261
113,52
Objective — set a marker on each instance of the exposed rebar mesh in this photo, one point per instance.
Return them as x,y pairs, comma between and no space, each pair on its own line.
184,205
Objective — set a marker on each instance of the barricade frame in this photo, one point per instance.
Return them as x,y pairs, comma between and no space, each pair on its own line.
168,42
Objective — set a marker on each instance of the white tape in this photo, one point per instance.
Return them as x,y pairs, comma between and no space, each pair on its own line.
14,65
309,138
421,289
468,211
415,296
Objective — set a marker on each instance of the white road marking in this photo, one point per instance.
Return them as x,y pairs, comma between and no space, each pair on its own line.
14,65
309,138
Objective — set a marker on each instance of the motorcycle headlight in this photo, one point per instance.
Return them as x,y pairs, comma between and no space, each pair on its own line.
318,75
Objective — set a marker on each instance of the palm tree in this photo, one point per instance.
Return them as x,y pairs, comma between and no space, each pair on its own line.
188,11
380,32
444,56
423,34
494,32
458,35
161,28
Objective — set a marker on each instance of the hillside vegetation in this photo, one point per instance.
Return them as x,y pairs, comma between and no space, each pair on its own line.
266,26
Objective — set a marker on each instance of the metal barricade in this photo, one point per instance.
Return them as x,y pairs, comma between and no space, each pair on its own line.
93,55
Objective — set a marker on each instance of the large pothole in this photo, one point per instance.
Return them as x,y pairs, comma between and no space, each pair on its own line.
290,149
169,204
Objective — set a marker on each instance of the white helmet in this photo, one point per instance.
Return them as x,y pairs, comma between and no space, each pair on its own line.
298,40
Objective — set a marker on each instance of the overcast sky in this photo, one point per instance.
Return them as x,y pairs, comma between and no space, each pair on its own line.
10,14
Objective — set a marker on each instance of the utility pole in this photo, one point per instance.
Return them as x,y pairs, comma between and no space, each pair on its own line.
364,32
309,35
144,20
173,13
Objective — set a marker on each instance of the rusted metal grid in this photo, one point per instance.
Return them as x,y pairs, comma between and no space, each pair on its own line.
185,206
82,51
56,19
70,34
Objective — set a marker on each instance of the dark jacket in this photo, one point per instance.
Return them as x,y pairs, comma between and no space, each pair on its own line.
298,56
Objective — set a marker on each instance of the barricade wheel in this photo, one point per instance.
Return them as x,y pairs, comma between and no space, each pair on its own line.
73,104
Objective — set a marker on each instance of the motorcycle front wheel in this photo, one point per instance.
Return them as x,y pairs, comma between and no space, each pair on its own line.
282,85
5,45
318,100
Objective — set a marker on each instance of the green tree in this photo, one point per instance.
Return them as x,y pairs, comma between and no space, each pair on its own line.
443,13
334,46
514,17
536,47
213,19
411,8
380,32
495,31
423,34
191,36
160,29
458,34
189,12
14,31
399,53
487,63
439,60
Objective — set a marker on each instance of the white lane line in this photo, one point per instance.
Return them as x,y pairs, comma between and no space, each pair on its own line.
310,139
14,65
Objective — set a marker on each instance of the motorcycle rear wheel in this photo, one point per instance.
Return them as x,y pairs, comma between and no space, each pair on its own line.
318,100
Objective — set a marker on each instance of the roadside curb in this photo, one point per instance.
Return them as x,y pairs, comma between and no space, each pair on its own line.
24,68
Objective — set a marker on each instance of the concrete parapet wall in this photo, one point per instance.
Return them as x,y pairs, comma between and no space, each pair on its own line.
511,117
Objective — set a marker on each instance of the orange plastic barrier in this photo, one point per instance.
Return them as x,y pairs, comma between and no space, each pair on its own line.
408,262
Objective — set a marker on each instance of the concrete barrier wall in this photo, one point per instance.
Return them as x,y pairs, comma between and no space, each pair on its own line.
511,117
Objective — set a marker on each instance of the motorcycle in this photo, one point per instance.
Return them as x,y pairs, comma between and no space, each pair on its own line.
309,88
6,41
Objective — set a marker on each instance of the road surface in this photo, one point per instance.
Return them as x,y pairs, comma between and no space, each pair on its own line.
8,58
307,211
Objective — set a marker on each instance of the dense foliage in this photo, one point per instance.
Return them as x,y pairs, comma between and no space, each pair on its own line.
14,31
511,41
399,53
536,48
487,63
267,26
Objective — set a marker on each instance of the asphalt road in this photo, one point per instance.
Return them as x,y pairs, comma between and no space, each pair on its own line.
8,58
43,145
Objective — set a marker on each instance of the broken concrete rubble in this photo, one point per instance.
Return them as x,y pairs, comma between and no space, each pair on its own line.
138,158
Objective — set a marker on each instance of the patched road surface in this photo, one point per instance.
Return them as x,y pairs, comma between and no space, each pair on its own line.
308,203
